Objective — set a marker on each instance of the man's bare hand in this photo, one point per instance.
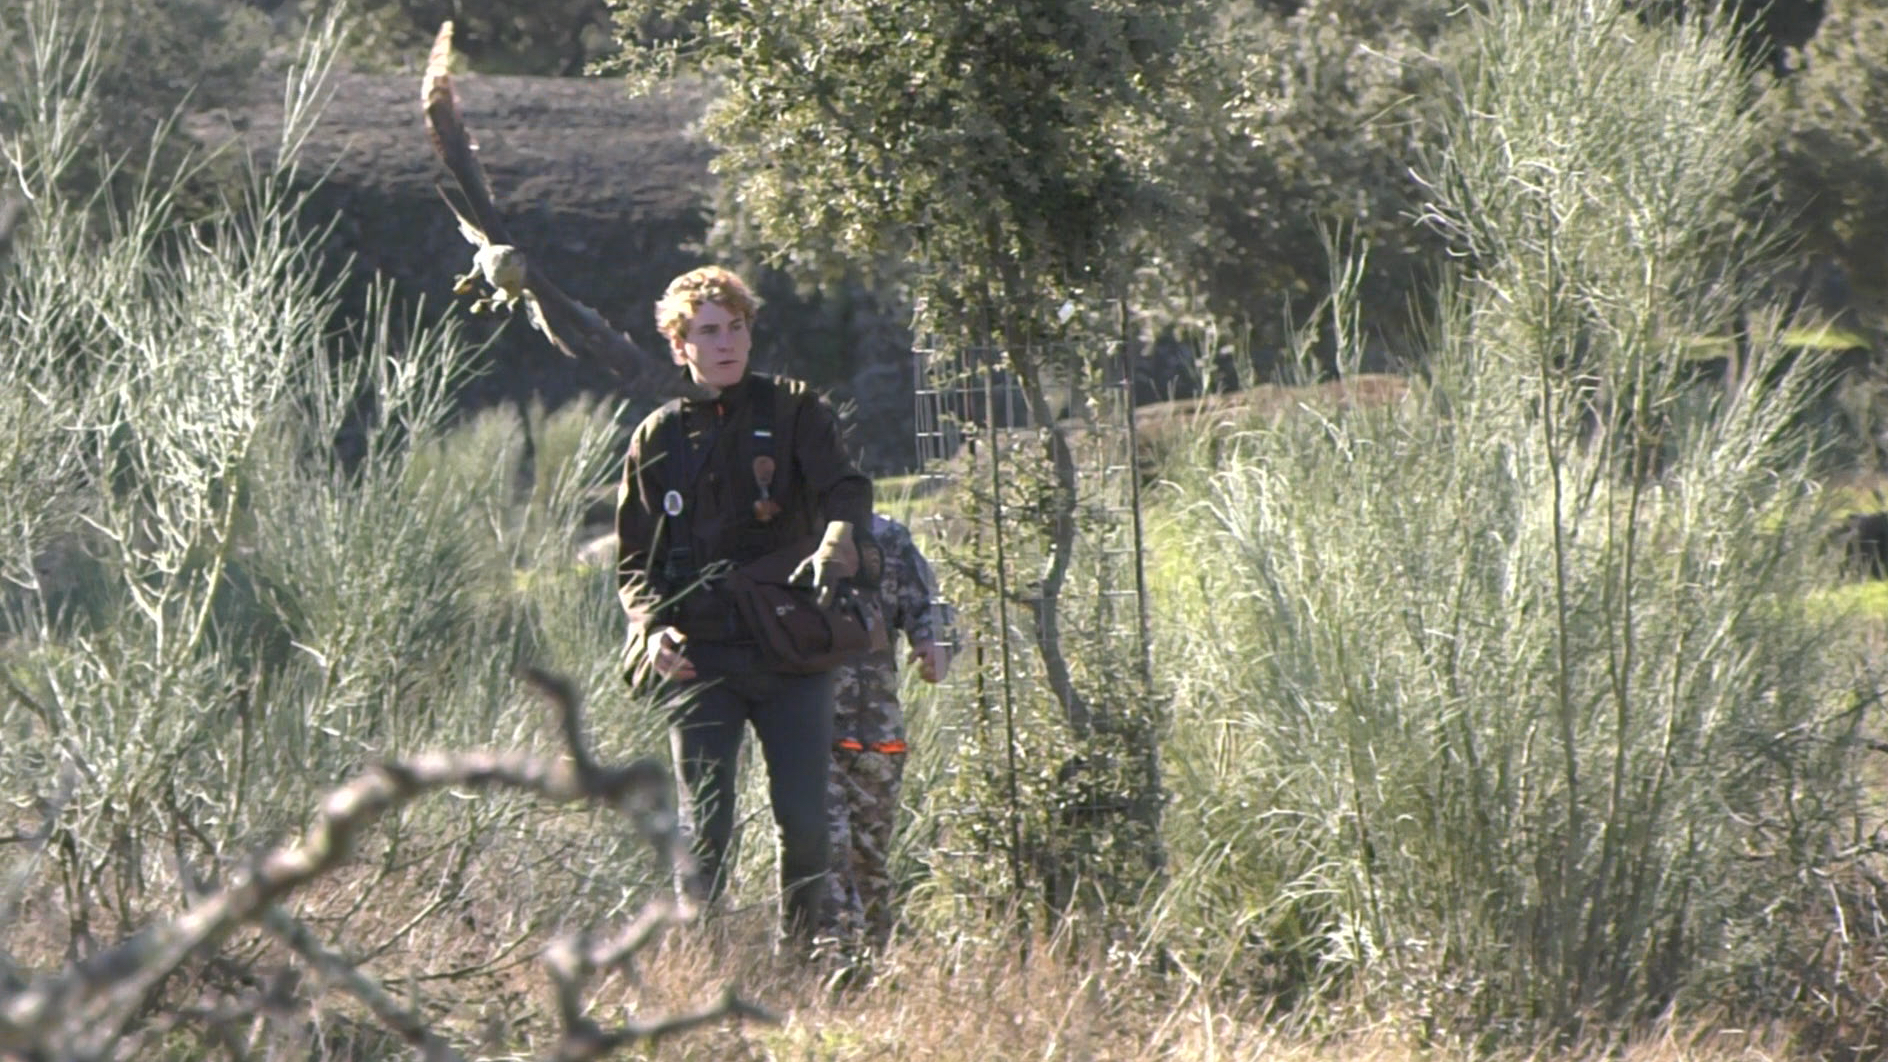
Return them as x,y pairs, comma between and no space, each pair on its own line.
665,656
933,660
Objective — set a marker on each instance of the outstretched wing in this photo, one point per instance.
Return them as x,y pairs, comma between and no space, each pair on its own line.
467,227
577,330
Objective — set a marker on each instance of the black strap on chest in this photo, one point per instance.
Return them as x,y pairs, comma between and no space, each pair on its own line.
760,397
684,462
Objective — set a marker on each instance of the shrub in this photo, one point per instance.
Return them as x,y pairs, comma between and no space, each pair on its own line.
247,547
1502,706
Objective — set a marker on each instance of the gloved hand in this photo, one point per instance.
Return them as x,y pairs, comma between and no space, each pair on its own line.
836,558
665,658
933,660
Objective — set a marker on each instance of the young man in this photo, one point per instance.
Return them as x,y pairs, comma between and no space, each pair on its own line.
745,468
869,739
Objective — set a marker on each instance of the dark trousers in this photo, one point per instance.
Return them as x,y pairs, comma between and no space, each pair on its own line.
792,716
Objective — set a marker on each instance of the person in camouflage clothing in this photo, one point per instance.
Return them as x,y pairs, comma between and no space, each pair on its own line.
869,738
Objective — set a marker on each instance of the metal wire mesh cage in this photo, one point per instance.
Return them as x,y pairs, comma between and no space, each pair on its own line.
981,450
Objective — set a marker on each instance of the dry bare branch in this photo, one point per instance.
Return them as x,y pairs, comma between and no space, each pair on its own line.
83,1010
338,971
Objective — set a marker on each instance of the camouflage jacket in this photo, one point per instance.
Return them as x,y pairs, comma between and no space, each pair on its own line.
866,691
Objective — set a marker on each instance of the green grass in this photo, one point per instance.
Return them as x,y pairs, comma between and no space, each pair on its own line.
1821,338
907,498
1864,601
1824,338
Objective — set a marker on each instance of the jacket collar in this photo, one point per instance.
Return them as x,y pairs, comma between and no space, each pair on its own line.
695,396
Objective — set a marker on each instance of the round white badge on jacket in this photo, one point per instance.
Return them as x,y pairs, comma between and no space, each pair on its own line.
672,503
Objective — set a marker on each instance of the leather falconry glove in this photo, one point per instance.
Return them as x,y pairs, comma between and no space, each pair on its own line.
933,660
836,558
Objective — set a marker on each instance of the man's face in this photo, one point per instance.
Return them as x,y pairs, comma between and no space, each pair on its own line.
715,347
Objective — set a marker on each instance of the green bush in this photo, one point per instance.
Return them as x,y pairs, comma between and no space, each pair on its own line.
131,68
1827,137
1324,111
249,547
1503,708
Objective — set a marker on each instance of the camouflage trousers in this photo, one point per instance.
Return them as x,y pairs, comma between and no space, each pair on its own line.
862,806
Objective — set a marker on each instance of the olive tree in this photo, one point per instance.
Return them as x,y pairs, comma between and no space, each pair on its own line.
1329,107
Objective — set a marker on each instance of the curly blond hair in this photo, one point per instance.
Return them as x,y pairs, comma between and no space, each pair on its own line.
687,293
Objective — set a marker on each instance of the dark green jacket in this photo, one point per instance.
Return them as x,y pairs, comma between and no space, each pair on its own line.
815,481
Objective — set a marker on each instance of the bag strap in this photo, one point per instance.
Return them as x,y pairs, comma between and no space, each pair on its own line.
679,467
760,455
